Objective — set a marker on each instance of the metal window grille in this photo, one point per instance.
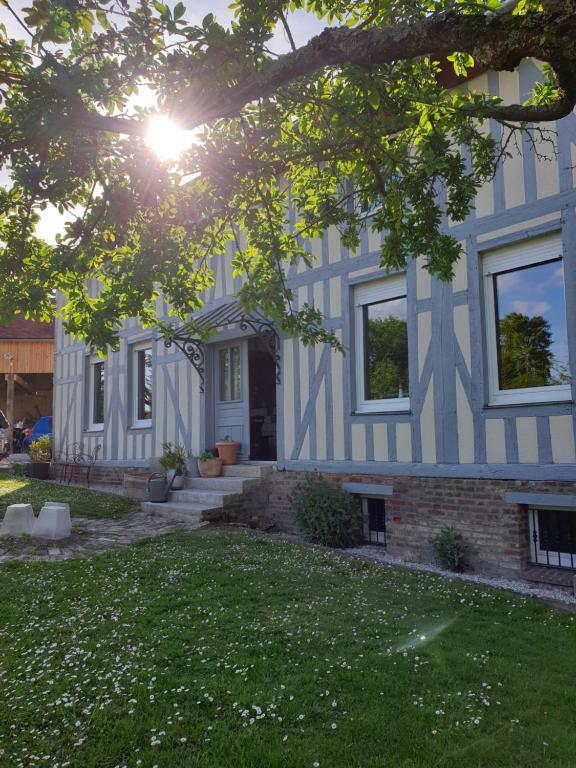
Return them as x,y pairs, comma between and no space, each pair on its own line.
374,521
553,535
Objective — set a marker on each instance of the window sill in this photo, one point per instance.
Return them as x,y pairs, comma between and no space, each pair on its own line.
140,427
400,405
496,404
403,412
97,428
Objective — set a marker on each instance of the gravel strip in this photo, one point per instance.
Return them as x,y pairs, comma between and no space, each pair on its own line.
551,595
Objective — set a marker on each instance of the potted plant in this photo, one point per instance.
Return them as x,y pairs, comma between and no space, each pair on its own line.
174,457
40,452
209,465
227,450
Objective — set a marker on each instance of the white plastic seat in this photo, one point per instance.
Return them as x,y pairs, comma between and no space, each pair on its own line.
18,520
53,522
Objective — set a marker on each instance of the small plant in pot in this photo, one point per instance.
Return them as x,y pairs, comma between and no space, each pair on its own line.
40,452
174,457
209,465
228,450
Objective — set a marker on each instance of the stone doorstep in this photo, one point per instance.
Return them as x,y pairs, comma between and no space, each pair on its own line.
541,574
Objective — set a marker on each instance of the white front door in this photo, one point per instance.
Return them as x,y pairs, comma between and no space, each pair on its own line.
231,400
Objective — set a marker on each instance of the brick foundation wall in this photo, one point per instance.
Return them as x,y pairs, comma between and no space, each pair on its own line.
99,475
497,531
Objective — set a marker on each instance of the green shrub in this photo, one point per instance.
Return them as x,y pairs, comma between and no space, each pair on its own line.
450,549
328,515
173,457
41,450
19,469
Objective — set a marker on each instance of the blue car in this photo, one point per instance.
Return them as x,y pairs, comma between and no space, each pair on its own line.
42,427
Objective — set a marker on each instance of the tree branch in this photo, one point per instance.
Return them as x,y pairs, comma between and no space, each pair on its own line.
496,41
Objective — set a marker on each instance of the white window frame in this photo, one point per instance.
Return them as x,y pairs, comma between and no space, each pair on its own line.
370,293
548,557
523,254
95,426
134,350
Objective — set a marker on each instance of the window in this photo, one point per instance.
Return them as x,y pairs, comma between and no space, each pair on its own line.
142,384
382,346
230,374
526,323
374,512
553,537
95,393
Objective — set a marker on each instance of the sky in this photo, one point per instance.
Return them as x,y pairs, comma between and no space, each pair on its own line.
303,26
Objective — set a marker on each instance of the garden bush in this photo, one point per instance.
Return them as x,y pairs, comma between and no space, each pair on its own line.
328,515
450,549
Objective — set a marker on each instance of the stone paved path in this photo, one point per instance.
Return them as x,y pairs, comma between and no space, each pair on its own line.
91,536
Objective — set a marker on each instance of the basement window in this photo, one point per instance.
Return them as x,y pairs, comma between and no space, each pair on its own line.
553,537
374,514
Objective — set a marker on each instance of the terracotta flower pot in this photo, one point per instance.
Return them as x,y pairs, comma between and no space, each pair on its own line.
209,467
228,451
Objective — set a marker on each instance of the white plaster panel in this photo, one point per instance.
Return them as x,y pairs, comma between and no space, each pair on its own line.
335,296
547,175
423,280
358,442
424,337
462,331
562,439
337,363
288,380
465,425
527,436
403,442
428,427
513,167
374,240
305,450
333,244
513,228
321,448
495,441
304,377
319,296
460,279
380,442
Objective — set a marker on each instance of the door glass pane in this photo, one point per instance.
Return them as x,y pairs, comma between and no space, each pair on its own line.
98,393
236,377
224,370
386,349
531,322
144,384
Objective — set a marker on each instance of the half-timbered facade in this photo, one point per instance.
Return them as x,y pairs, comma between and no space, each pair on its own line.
447,428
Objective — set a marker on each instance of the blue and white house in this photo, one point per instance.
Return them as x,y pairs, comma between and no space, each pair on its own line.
453,405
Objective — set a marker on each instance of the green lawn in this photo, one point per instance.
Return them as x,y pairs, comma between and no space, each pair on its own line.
83,503
213,649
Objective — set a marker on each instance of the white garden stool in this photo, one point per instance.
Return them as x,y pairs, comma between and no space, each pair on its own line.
53,522
18,520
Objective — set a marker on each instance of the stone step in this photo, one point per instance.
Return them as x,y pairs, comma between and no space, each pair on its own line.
246,470
175,511
209,498
234,484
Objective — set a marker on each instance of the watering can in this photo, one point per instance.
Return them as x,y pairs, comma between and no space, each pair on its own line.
159,486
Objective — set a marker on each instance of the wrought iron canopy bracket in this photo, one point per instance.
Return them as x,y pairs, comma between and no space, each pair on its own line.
230,314
194,351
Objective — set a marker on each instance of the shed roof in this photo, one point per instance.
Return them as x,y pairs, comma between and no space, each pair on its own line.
21,328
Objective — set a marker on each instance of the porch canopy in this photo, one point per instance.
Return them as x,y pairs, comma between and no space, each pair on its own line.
226,316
